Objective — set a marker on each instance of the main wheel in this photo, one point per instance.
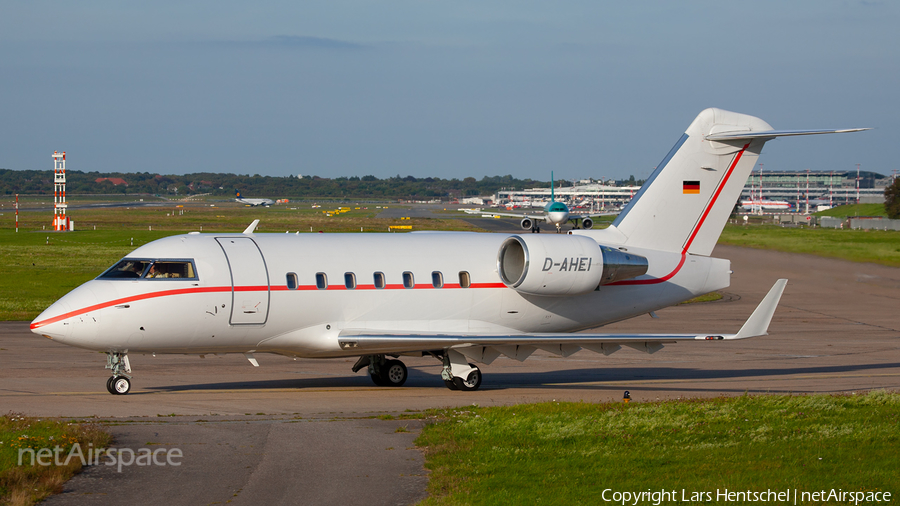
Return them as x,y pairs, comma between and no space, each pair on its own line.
395,373
121,385
378,379
450,384
472,382
109,385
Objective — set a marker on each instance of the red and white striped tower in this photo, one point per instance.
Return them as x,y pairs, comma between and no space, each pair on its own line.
60,220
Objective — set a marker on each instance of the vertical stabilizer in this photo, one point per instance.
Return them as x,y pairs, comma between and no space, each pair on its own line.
552,198
686,202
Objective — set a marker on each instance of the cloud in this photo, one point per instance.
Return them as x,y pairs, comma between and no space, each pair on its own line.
303,41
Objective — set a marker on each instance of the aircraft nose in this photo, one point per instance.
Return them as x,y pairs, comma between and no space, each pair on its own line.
58,321
51,322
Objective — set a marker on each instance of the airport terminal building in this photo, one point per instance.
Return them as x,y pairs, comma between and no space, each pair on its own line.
796,187
836,188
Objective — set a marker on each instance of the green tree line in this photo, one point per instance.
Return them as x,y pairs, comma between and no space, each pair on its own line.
37,182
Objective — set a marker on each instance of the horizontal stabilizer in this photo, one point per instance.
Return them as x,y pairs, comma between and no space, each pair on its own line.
513,345
771,134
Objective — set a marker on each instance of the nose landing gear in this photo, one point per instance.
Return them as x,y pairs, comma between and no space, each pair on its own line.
120,382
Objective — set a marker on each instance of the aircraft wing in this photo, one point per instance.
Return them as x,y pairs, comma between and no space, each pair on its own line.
486,347
594,215
533,216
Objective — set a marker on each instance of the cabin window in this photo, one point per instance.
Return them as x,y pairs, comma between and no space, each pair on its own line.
464,280
291,281
321,281
379,280
408,280
349,280
437,279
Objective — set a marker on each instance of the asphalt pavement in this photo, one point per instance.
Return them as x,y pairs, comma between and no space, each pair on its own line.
307,431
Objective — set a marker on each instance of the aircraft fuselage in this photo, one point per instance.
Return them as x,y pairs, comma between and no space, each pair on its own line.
294,294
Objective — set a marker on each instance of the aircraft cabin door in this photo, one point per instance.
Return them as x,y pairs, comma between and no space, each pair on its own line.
249,280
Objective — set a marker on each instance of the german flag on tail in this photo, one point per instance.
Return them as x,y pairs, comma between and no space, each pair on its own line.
691,187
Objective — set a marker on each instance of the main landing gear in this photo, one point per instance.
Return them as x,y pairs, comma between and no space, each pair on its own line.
120,382
457,373
383,371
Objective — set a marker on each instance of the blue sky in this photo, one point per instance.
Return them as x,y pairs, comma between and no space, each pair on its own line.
445,89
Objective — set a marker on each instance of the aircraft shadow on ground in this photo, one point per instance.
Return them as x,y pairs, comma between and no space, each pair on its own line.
561,379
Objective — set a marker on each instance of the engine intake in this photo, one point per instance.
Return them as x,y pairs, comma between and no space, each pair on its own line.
563,265
550,265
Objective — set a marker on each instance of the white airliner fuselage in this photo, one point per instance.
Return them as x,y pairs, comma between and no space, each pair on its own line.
454,296
766,205
253,202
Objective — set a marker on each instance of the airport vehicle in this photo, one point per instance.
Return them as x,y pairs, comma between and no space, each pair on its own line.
252,202
766,205
554,213
459,297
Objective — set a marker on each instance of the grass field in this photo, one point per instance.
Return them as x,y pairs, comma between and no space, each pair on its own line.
38,267
876,246
568,453
854,210
27,484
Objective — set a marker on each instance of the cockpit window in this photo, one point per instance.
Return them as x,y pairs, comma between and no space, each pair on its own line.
170,269
126,269
130,268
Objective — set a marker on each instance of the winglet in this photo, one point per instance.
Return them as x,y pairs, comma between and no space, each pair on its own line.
252,227
758,323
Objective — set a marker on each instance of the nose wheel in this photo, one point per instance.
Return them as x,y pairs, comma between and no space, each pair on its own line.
118,385
120,382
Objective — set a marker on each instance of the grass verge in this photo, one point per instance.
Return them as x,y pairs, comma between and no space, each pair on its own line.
854,210
709,297
568,453
875,246
29,483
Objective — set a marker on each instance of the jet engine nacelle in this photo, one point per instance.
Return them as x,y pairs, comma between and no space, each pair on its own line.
527,223
587,223
550,265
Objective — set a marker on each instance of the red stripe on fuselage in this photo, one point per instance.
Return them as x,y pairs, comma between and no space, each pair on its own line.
690,240
125,300
216,289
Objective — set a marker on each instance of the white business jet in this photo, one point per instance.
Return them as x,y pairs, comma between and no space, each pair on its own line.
461,298
554,213
252,202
